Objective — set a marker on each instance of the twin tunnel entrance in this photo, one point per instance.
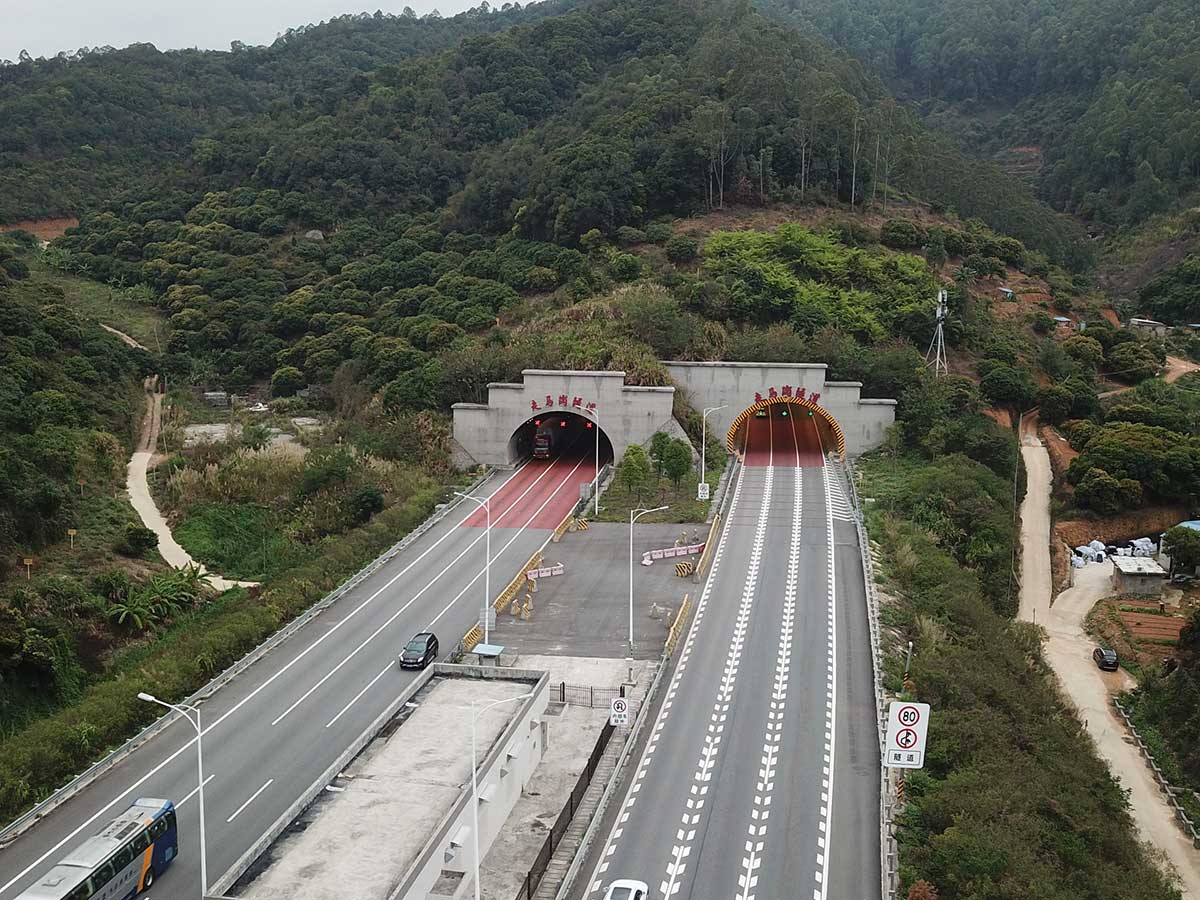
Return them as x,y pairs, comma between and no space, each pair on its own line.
773,431
785,431
560,435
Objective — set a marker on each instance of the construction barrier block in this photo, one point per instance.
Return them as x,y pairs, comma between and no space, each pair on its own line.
683,569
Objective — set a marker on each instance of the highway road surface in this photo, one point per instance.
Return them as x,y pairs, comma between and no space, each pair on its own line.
760,776
273,730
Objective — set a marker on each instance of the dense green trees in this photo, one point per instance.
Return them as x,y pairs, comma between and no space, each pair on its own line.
1097,86
66,389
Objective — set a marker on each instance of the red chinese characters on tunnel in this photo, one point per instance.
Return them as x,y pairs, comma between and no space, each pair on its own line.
787,392
564,401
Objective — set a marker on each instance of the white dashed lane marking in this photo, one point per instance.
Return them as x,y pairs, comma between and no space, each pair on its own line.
824,824
710,751
669,700
761,811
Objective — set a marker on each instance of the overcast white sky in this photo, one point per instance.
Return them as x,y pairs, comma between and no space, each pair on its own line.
46,28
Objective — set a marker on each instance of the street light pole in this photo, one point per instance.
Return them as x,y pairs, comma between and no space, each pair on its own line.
704,439
475,711
634,515
486,505
596,413
183,710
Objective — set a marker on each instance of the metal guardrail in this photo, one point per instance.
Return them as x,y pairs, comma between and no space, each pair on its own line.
542,861
24,822
677,625
1181,816
888,851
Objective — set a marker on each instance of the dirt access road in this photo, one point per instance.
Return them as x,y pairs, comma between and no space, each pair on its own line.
1176,369
143,501
1068,650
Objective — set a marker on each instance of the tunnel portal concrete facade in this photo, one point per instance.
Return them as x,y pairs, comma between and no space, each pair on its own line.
740,386
628,414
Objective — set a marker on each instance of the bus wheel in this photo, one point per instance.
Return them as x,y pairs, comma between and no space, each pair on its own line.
148,879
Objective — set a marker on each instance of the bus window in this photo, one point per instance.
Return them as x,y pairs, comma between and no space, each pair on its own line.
140,842
170,817
159,828
80,893
102,876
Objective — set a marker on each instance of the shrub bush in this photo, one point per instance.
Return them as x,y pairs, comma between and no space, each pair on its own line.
681,249
658,233
901,234
135,540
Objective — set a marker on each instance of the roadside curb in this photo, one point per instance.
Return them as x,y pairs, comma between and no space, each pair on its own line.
889,863
23,823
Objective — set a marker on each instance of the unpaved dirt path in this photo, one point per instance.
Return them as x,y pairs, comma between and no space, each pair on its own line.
1068,649
129,342
142,500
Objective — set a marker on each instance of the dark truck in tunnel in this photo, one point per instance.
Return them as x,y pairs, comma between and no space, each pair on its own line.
548,437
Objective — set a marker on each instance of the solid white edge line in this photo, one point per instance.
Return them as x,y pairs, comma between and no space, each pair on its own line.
422,591
253,796
451,604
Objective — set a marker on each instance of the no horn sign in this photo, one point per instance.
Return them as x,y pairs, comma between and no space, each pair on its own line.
908,725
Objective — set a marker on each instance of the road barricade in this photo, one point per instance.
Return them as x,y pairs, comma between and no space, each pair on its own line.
649,557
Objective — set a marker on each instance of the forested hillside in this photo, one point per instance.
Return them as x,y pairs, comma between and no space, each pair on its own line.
1106,89
80,127
602,117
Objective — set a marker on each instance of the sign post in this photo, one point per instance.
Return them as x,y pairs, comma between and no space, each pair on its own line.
72,532
618,712
702,490
908,726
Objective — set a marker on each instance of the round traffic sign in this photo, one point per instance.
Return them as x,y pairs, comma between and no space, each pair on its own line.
909,716
619,705
906,739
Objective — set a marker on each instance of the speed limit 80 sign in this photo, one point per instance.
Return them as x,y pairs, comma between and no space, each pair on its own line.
908,725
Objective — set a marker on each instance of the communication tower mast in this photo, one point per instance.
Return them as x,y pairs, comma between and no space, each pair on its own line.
936,357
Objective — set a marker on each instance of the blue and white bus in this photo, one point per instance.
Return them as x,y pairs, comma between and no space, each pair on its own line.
118,863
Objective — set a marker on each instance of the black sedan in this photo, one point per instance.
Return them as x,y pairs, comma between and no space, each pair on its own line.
420,651
1105,659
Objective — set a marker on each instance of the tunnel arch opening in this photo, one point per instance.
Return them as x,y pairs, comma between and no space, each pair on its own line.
569,435
828,430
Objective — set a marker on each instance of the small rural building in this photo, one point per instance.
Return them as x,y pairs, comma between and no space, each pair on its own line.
1007,293
219,399
1137,575
1149,327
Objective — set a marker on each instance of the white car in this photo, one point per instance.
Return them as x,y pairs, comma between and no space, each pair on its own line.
627,889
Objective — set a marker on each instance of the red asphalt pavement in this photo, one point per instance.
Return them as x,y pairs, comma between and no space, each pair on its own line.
783,440
539,495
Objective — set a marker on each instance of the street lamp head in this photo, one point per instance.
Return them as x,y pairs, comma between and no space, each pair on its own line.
149,698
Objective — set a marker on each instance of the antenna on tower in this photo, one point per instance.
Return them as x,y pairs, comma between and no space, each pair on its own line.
936,357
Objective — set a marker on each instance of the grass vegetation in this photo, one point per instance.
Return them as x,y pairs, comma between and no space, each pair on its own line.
1043,818
180,658
132,310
